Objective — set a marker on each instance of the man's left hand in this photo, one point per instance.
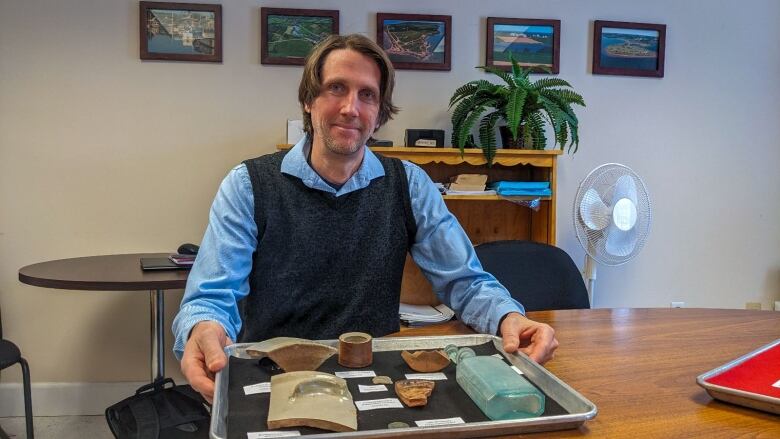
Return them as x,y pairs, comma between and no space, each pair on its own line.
537,340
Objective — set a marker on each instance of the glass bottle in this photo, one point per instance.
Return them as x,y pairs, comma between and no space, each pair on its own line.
500,392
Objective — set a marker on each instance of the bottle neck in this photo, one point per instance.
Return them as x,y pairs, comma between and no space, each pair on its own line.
458,354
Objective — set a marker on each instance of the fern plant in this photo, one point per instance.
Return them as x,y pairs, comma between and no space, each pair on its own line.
524,106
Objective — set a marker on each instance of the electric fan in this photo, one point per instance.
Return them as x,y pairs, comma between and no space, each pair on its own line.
612,215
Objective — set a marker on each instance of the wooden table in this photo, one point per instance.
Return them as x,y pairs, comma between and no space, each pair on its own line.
639,366
115,273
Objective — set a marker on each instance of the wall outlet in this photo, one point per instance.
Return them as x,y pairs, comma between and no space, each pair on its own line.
678,304
753,305
777,305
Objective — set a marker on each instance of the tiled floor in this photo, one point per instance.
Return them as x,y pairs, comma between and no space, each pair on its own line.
59,427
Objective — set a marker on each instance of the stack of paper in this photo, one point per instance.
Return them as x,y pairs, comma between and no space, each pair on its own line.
421,315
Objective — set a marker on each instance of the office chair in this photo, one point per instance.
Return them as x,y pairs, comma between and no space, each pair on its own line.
539,276
10,355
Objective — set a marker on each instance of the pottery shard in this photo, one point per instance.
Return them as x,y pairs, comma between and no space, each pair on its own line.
311,399
426,361
292,354
381,379
414,393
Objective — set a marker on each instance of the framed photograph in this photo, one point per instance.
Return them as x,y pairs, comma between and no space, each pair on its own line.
181,31
414,41
288,35
532,43
632,49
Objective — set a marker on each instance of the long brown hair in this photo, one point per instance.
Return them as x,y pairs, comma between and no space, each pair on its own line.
311,81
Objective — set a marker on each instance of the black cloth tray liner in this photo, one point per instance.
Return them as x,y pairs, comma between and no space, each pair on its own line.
249,413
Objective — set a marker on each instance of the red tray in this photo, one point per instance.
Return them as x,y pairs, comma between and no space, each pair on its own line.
752,380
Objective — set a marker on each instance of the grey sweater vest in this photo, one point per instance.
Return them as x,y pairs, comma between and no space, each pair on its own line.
326,265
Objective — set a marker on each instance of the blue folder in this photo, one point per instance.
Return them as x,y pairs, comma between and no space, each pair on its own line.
527,188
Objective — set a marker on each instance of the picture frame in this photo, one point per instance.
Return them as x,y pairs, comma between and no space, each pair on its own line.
288,35
180,31
426,42
534,43
629,49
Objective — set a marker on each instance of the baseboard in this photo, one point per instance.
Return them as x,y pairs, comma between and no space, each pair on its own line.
65,399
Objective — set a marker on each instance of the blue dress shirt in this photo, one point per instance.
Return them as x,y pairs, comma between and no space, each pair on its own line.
442,250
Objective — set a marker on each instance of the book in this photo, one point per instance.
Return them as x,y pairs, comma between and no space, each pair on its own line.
467,183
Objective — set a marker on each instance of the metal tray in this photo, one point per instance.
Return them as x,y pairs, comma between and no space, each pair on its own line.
740,397
579,409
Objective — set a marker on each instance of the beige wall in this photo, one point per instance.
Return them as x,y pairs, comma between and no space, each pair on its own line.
101,153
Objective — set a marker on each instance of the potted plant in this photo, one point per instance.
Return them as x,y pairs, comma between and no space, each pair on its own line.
524,105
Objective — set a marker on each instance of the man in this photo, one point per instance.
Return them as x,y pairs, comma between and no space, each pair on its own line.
312,243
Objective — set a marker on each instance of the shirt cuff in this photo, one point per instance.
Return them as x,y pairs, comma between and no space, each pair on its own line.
187,318
500,311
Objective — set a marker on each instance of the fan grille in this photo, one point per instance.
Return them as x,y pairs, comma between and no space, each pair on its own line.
603,180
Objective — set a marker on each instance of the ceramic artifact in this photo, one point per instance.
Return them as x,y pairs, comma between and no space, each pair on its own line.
355,349
292,354
426,361
381,379
311,399
414,393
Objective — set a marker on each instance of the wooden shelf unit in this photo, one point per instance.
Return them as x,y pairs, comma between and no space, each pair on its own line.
484,218
492,218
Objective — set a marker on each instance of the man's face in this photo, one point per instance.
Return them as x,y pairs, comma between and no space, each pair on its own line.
344,114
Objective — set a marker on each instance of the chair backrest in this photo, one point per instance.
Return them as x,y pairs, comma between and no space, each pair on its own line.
539,276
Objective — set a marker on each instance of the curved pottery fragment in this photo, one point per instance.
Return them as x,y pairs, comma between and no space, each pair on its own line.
292,354
426,361
382,379
414,393
311,399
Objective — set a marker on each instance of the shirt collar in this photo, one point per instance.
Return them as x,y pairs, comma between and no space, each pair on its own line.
294,163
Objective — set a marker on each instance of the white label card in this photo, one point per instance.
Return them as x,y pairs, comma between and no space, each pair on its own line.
425,142
257,388
271,434
367,389
356,374
517,370
437,422
777,384
373,404
438,376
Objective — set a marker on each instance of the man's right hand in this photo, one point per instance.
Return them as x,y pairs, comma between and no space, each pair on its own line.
204,356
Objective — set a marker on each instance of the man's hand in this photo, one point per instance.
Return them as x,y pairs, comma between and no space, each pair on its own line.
537,340
204,356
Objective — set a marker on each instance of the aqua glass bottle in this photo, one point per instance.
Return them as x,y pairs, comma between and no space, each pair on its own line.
500,392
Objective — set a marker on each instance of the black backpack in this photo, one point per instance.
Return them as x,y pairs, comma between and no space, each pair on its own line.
157,411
